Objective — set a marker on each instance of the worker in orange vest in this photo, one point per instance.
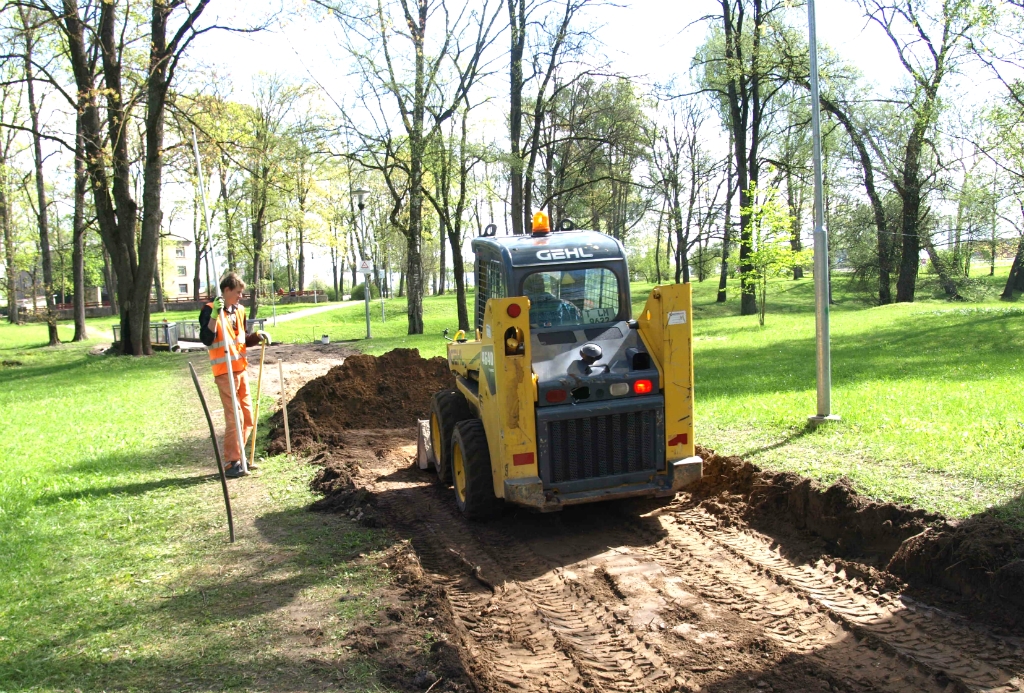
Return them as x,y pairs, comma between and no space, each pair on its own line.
211,333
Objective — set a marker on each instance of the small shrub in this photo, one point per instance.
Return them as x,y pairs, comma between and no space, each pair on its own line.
357,292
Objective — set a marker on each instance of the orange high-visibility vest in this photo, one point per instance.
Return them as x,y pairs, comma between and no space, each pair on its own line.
235,342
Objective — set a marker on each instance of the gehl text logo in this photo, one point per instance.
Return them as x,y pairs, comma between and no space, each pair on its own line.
563,254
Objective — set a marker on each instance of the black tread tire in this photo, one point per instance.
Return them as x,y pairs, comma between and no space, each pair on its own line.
447,407
479,503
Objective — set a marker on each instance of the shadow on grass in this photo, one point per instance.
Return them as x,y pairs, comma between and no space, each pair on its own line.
211,626
307,550
136,489
66,369
808,428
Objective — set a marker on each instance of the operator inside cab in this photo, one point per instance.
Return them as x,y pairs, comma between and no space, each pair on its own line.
546,309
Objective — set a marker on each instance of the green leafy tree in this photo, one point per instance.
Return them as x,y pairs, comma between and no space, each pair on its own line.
769,253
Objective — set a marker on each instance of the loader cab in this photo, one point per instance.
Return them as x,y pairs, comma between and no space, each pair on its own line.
574,279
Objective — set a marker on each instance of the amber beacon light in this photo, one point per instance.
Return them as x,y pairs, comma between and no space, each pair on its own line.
541,223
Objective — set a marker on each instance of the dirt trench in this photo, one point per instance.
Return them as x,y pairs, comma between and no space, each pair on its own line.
752,581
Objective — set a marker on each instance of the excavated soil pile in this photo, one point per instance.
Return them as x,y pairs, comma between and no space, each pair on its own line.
380,392
853,525
979,558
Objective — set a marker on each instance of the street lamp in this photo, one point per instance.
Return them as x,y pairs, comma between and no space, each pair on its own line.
358,195
821,294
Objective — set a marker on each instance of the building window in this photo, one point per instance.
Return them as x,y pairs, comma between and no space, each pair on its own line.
182,288
182,271
179,251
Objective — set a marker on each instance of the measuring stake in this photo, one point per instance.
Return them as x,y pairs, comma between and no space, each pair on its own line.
284,409
259,391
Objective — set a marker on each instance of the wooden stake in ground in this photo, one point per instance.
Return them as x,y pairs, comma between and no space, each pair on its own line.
284,408
259,391
216,452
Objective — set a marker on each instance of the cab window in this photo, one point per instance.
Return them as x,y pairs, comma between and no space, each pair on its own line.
572,297
489,284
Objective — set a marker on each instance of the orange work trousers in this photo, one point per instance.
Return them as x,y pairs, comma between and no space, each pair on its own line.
232,450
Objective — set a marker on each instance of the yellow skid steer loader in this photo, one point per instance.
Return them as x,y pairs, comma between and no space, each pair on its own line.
563,398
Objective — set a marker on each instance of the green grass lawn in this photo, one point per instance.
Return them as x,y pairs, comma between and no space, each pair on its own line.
115,571
927,392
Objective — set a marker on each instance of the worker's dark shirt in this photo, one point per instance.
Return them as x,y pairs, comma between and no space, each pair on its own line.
206,335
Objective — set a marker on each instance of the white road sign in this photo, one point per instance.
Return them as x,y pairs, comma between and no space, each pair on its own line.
365,267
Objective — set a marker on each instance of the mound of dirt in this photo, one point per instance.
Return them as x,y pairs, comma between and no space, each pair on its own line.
854,526
980,558
389,391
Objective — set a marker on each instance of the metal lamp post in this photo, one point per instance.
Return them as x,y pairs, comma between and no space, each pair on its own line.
358,195
822,336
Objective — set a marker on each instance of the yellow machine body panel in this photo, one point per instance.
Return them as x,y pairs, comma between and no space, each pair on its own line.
667,331
464,358
505,390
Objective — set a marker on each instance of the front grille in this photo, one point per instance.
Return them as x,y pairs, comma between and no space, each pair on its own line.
598,446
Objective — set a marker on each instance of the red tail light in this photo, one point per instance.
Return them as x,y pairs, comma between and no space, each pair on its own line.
513,310
555,396
643,387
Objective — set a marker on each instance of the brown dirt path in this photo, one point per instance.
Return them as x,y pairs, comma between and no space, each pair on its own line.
733,587
608,597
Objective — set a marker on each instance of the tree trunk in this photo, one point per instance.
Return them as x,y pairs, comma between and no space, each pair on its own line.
794,233
257,256
657,245
302,256
517,22
6,224
334,269
110,282
78,239
288,260
42,216
459,270
441,267
948,285
417,149
906,282
1016,272
158,284
723,277
199,239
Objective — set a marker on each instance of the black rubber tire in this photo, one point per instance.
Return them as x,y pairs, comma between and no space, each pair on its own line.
447,408
478,501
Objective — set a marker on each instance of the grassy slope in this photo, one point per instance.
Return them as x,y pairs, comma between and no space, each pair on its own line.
115,572
927,391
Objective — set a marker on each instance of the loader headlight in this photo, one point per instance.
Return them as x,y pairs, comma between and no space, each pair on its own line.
619,389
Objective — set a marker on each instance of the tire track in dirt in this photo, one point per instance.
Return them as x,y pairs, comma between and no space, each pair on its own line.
938,642
797,626
527,627
612,601
507,643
